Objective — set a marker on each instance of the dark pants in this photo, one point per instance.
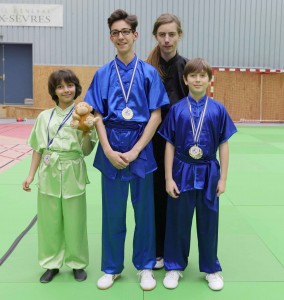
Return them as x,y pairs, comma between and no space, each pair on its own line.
178,231
160,194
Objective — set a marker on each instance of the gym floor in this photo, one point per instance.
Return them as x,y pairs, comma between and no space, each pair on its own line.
251,239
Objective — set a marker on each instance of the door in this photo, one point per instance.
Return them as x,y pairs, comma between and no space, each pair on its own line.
2,75
15,73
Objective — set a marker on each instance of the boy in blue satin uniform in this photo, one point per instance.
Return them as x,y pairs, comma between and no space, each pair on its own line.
195,129
127,95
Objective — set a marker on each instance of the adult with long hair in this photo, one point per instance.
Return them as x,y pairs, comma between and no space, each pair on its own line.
170,65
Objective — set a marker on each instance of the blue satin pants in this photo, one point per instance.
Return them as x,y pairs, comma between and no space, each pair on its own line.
114,200
180,213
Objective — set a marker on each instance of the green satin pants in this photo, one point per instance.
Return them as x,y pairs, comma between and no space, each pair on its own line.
62,232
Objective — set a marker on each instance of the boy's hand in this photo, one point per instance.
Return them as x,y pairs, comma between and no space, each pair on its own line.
26,184
130,156
172,188
117,160
90,122
221,187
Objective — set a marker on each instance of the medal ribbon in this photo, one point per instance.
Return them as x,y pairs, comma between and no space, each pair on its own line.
50,141
196,132
131,82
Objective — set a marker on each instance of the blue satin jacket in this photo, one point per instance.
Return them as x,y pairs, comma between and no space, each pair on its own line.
218,127
105,95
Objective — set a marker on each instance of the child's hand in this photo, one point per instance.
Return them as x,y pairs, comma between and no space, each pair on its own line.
221,187
26,184
172,188
117,160
130,156
90,122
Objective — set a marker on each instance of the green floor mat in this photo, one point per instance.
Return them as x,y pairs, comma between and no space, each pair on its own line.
251,239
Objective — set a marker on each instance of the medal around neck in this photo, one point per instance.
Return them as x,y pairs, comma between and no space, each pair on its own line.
195,152
46,158
127,113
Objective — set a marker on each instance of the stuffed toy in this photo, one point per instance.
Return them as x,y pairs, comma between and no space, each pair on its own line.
82,118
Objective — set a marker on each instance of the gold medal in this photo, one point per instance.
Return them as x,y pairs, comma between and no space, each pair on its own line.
127,113
195,152
46,158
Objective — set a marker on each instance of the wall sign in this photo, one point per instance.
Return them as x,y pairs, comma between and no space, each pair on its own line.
49,15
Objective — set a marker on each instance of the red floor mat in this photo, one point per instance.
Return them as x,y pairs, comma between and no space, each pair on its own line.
13,144
21,131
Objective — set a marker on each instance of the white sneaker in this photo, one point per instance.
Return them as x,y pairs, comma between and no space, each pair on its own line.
171,279
106,281
147,280
215,281
159,263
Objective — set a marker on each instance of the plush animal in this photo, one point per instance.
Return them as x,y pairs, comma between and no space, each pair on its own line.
82,118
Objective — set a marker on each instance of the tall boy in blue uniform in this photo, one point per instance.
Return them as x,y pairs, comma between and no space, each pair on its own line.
126,94
195,128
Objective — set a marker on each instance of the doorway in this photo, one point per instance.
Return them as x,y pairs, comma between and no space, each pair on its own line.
16,73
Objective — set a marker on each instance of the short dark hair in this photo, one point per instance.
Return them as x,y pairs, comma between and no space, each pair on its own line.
57,77
120,14
197,65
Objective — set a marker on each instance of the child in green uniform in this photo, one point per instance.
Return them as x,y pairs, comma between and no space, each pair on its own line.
58,155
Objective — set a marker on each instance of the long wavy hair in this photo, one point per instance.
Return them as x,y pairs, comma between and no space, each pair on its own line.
155,54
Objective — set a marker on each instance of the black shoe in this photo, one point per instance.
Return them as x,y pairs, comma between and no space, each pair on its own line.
79,274
48,275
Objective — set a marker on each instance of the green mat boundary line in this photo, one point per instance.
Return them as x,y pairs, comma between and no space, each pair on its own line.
17,241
